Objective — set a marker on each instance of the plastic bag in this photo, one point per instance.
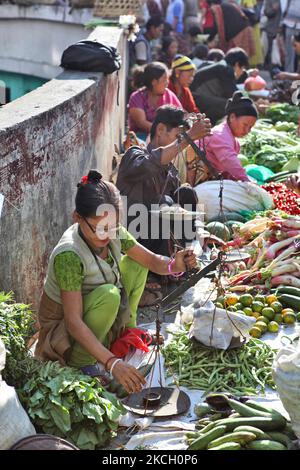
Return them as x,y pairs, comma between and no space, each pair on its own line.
14,421
237,196
216,328
286,374
275,54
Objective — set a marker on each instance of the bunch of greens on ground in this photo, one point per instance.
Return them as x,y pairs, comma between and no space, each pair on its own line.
64,402
16,328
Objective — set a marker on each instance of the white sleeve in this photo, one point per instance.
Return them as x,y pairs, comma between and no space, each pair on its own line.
141,51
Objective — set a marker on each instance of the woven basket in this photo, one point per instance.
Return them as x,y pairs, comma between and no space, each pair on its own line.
115,8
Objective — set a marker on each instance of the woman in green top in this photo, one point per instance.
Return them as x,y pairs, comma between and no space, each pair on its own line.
92,291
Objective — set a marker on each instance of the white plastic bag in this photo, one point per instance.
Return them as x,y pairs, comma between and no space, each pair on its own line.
14,421
237,196
275,54
215,327
286,374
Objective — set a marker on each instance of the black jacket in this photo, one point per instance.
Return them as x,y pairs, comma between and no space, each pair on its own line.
142,177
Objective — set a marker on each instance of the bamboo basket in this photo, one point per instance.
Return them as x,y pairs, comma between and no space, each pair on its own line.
115,8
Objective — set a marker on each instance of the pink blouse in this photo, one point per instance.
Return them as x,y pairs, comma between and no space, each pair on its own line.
139,99
222,150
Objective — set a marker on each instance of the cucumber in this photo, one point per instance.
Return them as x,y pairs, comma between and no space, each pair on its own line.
241,437
227,446
209,427
202,441
266,409
280,437
246,411
265,424
290,301
287,290
258,432
192,435
265,444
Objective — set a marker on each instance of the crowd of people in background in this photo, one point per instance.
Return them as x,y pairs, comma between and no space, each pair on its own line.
208,48
190,60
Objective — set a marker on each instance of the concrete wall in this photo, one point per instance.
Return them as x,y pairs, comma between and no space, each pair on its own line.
48,140
32,38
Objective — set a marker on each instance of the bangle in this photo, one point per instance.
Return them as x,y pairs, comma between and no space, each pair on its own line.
109,359
170,264
112,367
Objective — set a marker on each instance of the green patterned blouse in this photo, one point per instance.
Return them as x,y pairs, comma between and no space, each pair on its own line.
68,267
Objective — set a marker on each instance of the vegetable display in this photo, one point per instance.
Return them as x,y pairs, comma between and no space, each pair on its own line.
284,199
268,311
283,112
249,426
64,402
272,146
16,328
274,245
240,371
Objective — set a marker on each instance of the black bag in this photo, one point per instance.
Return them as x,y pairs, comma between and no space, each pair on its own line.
91,56
252,15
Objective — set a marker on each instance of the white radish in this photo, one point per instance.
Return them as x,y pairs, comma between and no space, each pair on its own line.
287,280
292,223
285,254
285,269
271,252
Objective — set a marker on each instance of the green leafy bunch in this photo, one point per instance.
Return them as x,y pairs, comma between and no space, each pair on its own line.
16,328
64,402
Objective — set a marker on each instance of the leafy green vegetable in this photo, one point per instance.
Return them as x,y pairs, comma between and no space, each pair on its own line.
271,160
283,112
16,328
64,402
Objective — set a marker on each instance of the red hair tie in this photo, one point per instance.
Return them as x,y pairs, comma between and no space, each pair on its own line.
84,179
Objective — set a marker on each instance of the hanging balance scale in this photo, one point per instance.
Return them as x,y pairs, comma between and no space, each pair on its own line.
167,401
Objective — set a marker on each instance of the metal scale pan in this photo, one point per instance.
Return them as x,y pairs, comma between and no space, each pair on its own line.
169,402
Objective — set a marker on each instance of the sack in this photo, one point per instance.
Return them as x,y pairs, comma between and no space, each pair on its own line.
91,56
286,374
237,196
14,421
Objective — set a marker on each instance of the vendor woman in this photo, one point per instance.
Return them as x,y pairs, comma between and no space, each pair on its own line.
91,291
222,146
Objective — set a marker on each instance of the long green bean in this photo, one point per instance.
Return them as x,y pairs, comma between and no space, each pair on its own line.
240,371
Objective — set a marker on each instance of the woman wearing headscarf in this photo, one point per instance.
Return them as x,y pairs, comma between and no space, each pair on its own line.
183,72
222,146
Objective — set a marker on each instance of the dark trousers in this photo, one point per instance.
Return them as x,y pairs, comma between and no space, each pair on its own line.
185,196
